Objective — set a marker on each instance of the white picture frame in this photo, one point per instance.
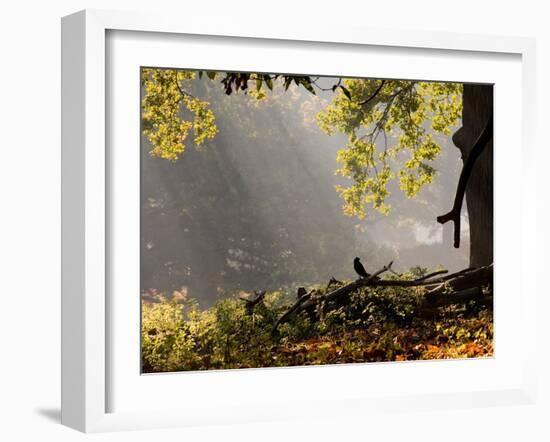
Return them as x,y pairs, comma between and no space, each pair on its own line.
87,319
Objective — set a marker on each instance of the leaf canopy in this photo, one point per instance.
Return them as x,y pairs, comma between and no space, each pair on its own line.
389,125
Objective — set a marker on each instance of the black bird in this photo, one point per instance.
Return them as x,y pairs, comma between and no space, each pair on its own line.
358,267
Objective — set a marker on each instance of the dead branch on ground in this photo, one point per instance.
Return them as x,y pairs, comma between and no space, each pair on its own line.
455,288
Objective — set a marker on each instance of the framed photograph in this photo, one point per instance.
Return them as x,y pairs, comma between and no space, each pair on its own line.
269,223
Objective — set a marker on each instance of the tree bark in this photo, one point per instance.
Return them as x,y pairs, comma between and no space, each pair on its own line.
477,107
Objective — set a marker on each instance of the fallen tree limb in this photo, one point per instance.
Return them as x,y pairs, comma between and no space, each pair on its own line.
456,288
476,278
301,300
460,297
348,288
308,300
476,274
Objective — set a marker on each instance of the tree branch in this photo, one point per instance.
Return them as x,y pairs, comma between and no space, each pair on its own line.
454,214
375,93
431,275
181,91
251,303
301,300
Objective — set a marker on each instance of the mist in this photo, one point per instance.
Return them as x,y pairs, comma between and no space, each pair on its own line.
256,208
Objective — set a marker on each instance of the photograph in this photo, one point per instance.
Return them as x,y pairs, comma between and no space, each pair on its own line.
294,219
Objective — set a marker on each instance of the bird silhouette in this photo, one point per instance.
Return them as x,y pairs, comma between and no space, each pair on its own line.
359,269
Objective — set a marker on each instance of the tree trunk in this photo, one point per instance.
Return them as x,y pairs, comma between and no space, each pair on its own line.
477,106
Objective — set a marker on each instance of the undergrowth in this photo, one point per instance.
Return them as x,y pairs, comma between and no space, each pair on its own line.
370,325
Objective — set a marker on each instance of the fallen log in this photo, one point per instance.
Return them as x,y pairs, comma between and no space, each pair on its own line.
456,288
460,297
307,301
477,278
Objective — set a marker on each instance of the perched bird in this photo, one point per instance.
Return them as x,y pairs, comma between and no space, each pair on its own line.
358,267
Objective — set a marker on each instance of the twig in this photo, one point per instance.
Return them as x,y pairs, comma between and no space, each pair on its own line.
395,273
376,92
251,303
333,281
431,275
181,91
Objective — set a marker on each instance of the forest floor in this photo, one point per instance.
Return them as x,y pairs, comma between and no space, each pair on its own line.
373,324
458,337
